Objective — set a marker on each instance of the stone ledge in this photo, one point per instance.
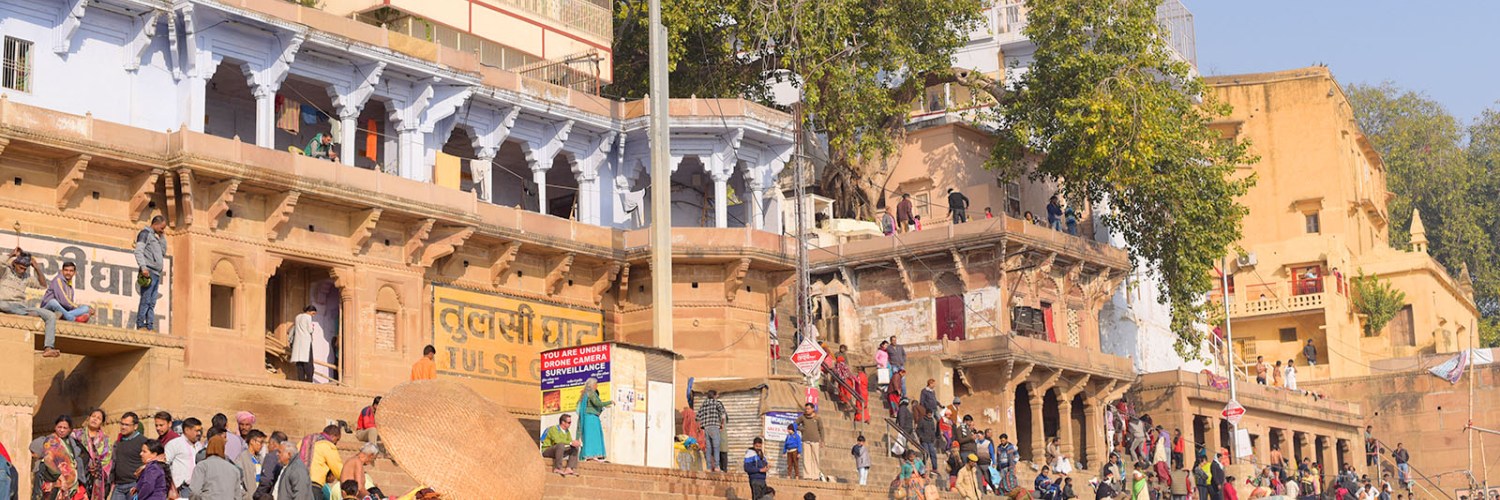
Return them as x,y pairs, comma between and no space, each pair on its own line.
88,332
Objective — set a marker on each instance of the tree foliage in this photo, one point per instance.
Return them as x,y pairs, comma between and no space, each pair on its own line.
858,63
1377,300
1446,170
1115,119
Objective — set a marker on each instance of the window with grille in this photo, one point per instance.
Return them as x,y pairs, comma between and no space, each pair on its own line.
16,73
1288,334
1313,225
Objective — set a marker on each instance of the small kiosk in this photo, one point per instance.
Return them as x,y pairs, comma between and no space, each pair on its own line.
639,426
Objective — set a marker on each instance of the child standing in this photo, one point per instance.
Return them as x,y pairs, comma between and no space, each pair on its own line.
793,449
861,459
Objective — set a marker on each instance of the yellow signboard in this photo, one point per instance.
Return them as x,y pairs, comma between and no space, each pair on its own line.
500,338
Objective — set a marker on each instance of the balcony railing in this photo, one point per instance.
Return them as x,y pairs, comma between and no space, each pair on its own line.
1277,305
583,15
1172,17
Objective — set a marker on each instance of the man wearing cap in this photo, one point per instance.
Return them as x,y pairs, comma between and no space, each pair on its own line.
13,297
756,467
558,444
968,479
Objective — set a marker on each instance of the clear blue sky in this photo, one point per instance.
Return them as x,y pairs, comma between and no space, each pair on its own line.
1448,49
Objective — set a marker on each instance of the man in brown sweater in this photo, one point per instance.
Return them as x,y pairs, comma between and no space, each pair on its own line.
812,441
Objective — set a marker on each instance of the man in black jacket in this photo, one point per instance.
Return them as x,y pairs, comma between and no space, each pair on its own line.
270,469
756,467
127,455
1216,482
958,206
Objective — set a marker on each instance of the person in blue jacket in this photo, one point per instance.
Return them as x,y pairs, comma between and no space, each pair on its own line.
755,467
792,447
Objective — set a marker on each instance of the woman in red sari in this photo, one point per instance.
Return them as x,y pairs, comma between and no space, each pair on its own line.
96,444
57,478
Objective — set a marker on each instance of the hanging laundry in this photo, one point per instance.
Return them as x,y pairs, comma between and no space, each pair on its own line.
287,118
372,147
311,115
336,129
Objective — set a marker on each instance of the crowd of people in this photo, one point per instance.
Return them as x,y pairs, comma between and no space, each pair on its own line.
185,460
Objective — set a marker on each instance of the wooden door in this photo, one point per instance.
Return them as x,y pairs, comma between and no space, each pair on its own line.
950,317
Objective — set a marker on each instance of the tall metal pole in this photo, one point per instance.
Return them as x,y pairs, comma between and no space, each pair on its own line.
1234,429
661,189
804,300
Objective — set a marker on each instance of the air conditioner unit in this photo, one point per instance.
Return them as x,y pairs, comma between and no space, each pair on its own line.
1246,260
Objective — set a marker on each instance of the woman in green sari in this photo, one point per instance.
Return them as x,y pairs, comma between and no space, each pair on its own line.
590,429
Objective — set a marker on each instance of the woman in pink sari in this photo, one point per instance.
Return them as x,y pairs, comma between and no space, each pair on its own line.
96,444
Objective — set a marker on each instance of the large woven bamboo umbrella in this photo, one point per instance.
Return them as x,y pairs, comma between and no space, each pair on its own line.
459,443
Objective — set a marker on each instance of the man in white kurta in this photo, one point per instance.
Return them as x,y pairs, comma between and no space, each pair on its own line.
300,343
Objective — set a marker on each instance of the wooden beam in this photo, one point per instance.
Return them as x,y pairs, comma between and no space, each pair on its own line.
71,175
416,238
364,222
445,245
282,206
734,277
501,267
222,194
606,279
560,266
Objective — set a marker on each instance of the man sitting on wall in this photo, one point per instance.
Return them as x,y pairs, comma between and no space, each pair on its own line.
13,297
59,296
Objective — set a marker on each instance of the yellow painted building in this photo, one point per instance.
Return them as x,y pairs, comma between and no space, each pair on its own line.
1317,219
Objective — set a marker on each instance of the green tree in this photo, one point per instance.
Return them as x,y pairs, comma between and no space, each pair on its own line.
858,63
1377,301
1115,119
1447,171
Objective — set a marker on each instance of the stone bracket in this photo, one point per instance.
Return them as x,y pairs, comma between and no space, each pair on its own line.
416,238
1047,383
911,292
1101,396
72,20
735,272
445,246
560,266
142,186
624,283
185,186
364,227
72,175
552,143
1017,377
140,41
1072,388
281,212
961,269
503,261
222,194
606,279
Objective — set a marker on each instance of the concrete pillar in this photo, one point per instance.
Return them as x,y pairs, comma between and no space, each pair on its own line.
1093,421
349,125
409,153
481,168
1212,439
1008,412
539,176
1038,428
265,115
1306,448
757,199
18,392
588,198
721,199
1261,445
1065,441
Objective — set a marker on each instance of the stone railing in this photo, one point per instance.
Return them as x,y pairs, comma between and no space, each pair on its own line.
1277,305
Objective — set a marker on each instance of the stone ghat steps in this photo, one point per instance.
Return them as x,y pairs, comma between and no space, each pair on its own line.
623,482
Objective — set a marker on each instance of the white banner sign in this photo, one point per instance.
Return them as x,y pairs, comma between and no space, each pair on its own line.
105,281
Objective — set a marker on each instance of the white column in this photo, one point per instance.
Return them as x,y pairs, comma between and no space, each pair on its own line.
410,154
349,124
265,115
539,176
481,168
757,198
588,199
721,200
